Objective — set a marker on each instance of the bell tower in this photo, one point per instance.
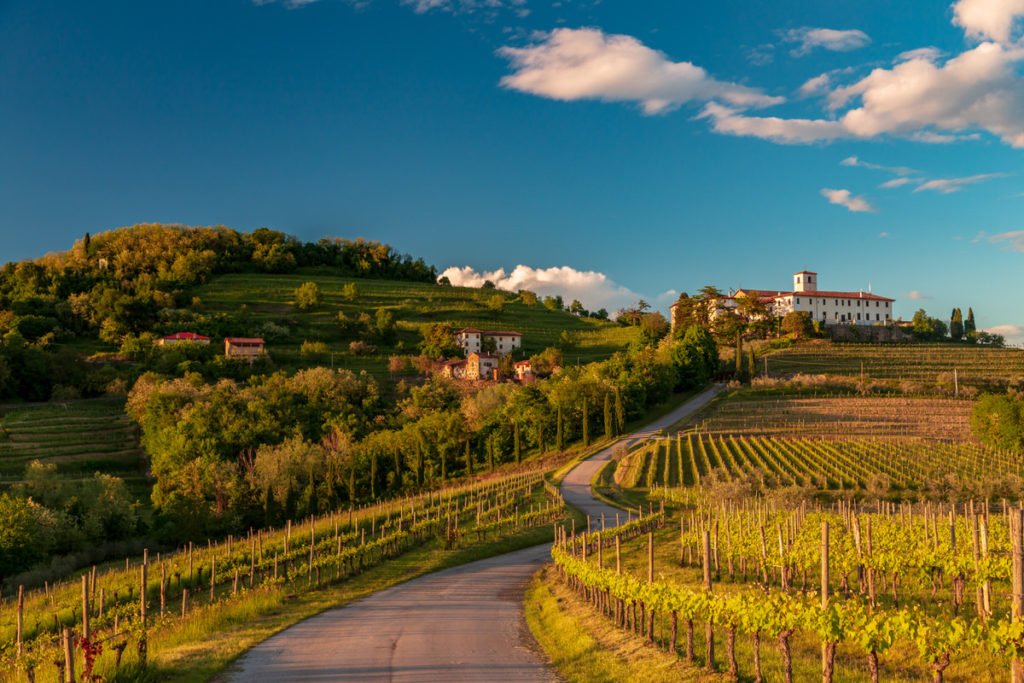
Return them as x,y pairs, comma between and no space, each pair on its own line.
805,281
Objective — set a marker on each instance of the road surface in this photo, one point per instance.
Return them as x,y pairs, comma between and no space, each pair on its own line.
459,624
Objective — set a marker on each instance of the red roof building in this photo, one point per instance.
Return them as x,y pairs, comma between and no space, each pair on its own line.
183,337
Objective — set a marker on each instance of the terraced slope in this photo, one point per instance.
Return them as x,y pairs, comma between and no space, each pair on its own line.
80,437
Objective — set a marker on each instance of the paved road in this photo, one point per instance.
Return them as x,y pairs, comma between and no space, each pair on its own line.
459,624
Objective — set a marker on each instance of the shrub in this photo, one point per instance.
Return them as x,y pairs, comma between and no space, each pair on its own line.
308,296
309,348
361,348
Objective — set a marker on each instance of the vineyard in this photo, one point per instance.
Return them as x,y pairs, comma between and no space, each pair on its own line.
890,593
943,419
692,459
87,622
925,363
80,438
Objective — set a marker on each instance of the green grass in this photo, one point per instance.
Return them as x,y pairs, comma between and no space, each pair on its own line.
268,298
79,437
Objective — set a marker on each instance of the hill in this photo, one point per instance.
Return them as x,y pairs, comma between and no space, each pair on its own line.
263,305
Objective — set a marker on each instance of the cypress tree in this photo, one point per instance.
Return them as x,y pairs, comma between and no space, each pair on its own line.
540,436
559,441
469,459
607,416
586,423
739,356
443,452
419,460
373,476
490,451
398,468
86,243
969,328
751,364
956,325
515,440
620,414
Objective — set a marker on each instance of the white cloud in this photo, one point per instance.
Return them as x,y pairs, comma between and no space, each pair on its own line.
988,19
843,198
899,182
827,38
1014,334
898,170
914,294
950,185
290,4
883,234
818,84
1014,240
930,54
594,290
574,64
979,89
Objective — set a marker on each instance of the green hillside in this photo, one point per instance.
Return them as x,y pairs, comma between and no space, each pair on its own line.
269,298
79,437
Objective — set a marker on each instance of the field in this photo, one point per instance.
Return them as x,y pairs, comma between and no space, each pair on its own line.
690,459
924,363
909,595
79,437
268,298
944,419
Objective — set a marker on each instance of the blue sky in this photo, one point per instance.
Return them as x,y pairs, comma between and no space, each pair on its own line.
614,150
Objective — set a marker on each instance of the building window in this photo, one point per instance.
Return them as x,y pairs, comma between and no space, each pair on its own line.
798,299
858,316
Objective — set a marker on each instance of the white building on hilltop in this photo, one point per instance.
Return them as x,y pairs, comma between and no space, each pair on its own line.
852,308
833,308
472,340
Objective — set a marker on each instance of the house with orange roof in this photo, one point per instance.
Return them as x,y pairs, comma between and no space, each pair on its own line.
471,340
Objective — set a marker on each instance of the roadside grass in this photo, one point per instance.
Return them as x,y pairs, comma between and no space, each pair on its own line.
269,298
583,646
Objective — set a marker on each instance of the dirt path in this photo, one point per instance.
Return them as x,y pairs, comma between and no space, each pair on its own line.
459,624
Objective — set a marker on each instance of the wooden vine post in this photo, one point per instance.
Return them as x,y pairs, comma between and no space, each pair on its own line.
85,606
143,614
827,649
21,611
710,630
1017,578
68,641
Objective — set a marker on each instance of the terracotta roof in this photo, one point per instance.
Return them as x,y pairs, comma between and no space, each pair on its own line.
482,355
244,340
522,362
805,272
453,363
840,295
468,329
178,336
492,333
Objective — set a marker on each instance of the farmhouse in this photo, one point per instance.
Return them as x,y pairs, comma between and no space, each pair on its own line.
476,366
473,340
183,337
524,371
243,347
830,307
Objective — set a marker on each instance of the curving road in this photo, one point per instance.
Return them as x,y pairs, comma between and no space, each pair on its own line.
459,624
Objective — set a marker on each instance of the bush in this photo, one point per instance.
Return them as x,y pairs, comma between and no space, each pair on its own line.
308,296
313,349
361,348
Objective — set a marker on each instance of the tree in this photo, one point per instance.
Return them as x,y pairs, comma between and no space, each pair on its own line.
601,314
653,327
496,303
349,292
969,326
956,325
487,285
576,308
997,420
308,296
444,281
385,324
439,341
798,324
926,328
528,298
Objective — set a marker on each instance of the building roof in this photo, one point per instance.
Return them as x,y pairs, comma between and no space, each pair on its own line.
841,295
805,272
185,336
469,329
482,355
244,340
522,362
507,333
453,363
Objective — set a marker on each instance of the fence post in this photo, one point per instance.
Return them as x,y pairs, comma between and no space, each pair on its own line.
710,630
825,650
68,641
1017,577
21,610
85,606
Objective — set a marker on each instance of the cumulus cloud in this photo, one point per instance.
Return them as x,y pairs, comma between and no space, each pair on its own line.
808,38
585,63
950,185
914,294
816,85
883,234
1014,334
844,198
988,19
919,98
593,289
1013,240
